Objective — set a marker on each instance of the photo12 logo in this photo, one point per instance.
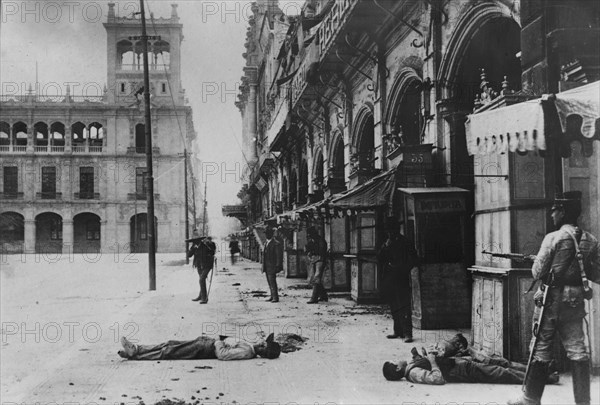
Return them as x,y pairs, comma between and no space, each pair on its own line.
54,12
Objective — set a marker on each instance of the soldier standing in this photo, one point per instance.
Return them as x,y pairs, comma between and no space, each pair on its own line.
567,258
316,250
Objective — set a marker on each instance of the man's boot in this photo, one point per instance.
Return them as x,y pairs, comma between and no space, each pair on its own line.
397,327
203,293
323,293
315,295
581,381
534,384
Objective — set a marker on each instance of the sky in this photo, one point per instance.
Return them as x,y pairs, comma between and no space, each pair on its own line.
68,42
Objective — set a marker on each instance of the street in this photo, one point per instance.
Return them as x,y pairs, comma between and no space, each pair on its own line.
62,318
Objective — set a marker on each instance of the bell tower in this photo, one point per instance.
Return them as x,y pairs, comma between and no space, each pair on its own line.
125,74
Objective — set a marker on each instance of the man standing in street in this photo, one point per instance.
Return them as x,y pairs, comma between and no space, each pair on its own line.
272,263
397,257
203,249
316,250
567,258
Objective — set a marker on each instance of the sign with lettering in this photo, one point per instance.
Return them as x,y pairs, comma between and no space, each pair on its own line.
447,204
333,22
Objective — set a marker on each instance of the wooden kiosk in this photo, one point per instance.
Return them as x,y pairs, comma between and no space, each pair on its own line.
434,218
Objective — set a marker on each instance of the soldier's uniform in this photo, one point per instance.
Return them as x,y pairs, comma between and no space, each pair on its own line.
565,309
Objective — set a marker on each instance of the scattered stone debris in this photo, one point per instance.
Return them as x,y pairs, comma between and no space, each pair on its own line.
174,401
290,342
235,284
300,287
174,263
174,379
204,368
365,310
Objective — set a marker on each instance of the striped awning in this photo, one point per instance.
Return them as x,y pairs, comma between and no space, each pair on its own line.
520,127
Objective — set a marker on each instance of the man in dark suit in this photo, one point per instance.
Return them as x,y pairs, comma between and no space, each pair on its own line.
203,250
272,263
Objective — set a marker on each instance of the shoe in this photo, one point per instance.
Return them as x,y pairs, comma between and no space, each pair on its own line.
130,349
204,302
275,300
408,339
315,295
553,378
533,385
196,299
394,336
581,381
270,299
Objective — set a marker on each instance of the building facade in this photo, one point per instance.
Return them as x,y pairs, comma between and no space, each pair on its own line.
73,167
355,117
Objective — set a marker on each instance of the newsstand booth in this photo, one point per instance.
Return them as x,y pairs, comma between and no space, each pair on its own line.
434,218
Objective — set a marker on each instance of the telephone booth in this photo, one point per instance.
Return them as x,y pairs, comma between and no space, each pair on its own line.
434,219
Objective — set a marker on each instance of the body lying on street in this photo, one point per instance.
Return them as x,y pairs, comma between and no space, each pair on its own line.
454,361
203,347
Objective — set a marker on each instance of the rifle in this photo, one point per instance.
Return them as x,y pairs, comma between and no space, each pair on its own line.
513,256
537,325
518,257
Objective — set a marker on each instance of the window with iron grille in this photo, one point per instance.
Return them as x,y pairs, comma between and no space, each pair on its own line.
48,182
86,182
56,229
11,180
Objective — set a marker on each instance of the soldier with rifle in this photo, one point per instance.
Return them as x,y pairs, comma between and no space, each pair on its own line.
567,258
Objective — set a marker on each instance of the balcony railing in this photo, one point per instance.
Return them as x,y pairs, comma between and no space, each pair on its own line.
87,148
86,196
131,150
11,196
140,196
49,148
48,196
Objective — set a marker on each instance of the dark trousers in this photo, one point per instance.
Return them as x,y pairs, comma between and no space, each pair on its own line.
203,273
470,372
200,348
272,281
402,321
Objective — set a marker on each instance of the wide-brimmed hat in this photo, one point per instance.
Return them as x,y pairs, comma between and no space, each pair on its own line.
568,201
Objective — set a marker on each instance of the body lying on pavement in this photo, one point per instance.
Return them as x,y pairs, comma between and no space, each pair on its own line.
203,347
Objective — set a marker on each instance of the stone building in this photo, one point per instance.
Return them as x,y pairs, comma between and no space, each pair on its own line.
73,167
361,116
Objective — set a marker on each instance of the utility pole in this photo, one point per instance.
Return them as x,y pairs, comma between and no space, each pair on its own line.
151,228
204,212
194,201
187,211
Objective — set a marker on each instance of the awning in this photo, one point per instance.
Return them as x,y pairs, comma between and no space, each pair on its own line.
376,192
520,127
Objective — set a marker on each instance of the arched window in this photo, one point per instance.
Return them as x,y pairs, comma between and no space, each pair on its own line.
364,157
57,133
160,58
40,134
20,134
284,192
4,133
337,177
140,138
406,121
125,55
78,131
96,132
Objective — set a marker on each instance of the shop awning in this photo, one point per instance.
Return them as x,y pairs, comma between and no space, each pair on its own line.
520,127
376,192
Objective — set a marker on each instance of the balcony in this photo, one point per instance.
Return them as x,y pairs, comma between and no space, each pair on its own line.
86,196
13,148
49,148
140,196
132,150
11,196
48,196
86,149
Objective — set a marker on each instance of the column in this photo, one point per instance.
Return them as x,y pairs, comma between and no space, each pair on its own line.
104,245
67,229
29,243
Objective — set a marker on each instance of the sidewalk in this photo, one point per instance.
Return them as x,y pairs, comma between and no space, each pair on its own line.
62,321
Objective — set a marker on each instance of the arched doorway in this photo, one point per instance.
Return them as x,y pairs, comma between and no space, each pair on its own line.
86,233
293,187
317,176
404,116
48,233
284,193
12,232
139,233
337,178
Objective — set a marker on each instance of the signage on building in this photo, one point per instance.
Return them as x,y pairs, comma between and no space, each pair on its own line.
431,205
333,22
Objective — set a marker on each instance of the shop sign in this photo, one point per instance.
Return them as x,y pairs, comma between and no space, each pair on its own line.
431,205
333,22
